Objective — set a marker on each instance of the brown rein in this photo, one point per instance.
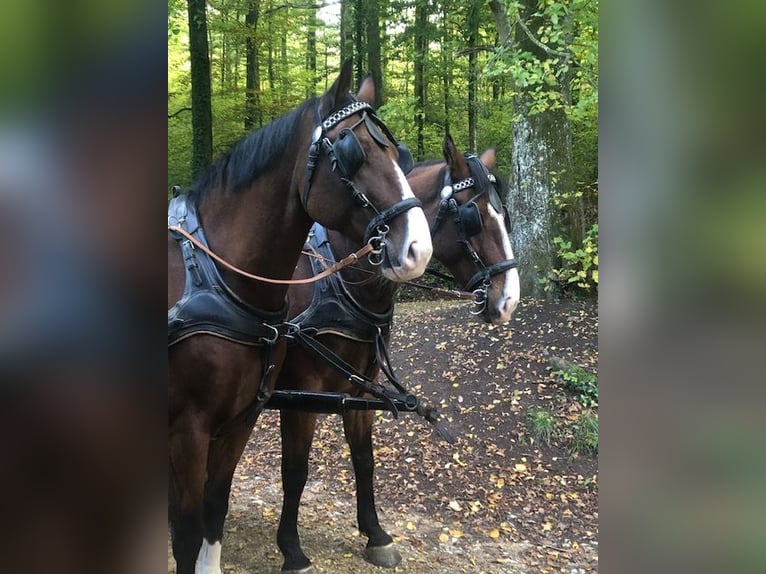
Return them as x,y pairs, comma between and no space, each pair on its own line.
345,262
447,292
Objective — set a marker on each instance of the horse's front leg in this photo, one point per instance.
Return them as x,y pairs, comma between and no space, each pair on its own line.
380,546
223,457
297,433
188,446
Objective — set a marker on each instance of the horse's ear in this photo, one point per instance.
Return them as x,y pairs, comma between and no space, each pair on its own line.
339,89
452,156
367,91
489,158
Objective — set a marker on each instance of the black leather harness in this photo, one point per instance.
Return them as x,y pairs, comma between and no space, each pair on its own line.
333,310
208,305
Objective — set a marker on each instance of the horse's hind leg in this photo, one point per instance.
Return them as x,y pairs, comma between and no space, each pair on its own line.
223,457
380,547
188,459
297,433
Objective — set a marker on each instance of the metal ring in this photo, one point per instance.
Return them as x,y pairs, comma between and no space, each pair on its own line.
375,258
480,300
271,340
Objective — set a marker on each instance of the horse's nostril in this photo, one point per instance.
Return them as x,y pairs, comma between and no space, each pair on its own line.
509,306
416,252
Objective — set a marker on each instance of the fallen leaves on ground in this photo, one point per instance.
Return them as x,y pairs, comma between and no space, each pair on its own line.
494,502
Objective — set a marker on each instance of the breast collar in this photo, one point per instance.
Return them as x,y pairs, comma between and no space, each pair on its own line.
333,310
208,305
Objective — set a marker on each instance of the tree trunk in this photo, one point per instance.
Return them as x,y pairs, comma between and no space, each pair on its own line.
421,20
253,112
202,115
446,66
346,30
283,67
374,65
359,39
311,52
541,164
224,51
472,26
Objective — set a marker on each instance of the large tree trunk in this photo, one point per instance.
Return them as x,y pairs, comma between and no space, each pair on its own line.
253,112
541,167
202,114
374,65
541,155
421,19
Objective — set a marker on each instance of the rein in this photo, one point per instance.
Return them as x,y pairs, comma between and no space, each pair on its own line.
465,295
345,262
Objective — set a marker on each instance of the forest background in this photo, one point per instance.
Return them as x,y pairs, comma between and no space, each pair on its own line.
519,76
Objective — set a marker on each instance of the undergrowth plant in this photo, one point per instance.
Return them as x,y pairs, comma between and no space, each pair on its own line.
582,383
585,435
580,265
541,425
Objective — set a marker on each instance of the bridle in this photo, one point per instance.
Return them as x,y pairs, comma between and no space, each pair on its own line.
467,218
347,156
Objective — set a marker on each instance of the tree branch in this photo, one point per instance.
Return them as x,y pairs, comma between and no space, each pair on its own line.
539,44
174,114
466,51
566,56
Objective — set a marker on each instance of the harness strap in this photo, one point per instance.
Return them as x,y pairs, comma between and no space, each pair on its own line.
341,403
387,215
362,381
255,408
489,272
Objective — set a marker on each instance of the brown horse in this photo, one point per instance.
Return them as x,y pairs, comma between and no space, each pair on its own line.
471,239
330,160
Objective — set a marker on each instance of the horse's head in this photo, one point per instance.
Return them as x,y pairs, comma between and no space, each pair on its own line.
355,181
470,232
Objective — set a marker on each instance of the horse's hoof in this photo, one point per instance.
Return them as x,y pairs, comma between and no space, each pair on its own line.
386,556
307,570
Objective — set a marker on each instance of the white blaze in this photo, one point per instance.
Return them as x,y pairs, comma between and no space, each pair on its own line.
417,231
511,288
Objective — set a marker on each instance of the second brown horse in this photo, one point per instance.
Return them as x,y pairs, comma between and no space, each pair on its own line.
460,199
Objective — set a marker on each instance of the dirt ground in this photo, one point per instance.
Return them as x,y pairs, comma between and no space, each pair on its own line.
494,502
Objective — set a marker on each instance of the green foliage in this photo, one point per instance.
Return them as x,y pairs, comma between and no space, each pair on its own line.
582,383
553,55
541,424
585,434
580,265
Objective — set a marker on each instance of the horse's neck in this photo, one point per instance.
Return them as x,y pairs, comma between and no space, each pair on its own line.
373,292
260,230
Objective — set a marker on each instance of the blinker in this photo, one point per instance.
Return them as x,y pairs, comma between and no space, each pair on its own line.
348,153
375,131
469,218
406,161
495,201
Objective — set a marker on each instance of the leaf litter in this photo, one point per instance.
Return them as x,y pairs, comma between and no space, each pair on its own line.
495,502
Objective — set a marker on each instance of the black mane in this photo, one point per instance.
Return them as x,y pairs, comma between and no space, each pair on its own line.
252,155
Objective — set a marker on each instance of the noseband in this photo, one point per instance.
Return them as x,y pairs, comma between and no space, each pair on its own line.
347,157
469,223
